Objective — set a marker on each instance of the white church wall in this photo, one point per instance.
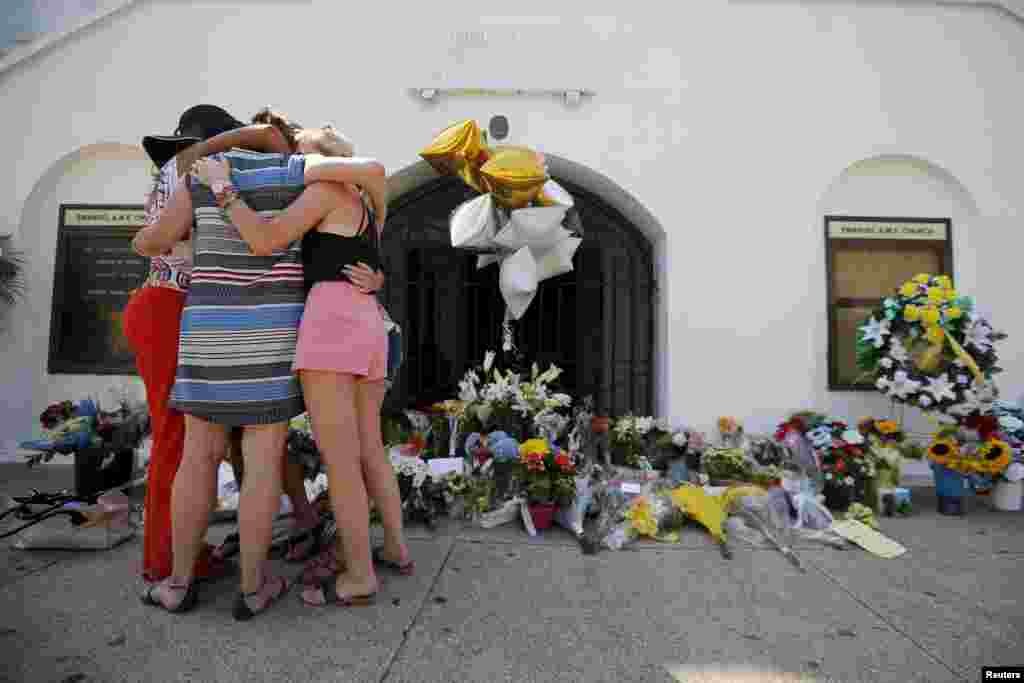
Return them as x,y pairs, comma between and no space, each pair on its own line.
728,122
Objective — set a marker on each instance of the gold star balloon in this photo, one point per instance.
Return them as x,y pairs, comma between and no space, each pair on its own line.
514,175
457,151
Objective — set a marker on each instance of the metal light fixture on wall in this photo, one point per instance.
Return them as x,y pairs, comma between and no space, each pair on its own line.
572,97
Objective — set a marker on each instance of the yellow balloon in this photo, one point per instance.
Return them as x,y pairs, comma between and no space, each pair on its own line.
514,175
456,151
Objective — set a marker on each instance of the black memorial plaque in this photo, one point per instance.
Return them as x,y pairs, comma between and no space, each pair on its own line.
95,273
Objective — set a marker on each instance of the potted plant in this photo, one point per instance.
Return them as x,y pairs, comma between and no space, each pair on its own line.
539,472
12,276
675,444
505,452
726,465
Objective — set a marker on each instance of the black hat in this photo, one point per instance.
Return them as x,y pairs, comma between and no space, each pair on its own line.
202,121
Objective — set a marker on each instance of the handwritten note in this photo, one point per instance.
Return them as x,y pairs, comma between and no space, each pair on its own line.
869,539
442,466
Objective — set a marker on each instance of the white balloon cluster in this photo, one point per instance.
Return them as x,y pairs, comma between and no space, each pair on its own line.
530,244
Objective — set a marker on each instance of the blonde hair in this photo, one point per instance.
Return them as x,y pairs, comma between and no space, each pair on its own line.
330,142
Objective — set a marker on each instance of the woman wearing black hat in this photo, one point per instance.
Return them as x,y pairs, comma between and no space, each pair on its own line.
151,325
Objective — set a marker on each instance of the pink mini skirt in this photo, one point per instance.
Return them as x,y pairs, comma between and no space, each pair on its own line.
342,330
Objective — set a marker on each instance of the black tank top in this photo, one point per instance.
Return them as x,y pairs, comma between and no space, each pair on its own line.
325,255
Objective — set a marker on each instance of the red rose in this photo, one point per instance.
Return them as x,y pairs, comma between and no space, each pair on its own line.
840,466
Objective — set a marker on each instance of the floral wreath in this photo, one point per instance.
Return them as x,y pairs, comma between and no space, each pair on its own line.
928,347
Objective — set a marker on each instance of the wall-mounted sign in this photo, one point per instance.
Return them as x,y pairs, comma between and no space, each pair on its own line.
887,229
94,274
867,259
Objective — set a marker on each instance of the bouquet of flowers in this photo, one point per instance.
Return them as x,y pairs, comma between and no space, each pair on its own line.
1011,424
885,440
424,498
548,472
731,432
634,437
845,462
502,400
70,427
727,464
928,346
977,448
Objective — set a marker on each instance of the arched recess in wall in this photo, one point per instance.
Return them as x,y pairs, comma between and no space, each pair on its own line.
601,323
897,186
100,173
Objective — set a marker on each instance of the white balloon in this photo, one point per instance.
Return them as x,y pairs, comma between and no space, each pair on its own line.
557,194
557,260
538,227
518,281
473,223
484,260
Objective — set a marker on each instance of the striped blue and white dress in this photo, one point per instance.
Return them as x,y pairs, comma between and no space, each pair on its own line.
240,324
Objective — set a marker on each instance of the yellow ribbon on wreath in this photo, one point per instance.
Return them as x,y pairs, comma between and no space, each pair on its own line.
929,359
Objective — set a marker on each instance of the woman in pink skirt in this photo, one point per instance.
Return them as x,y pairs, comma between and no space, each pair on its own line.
341,358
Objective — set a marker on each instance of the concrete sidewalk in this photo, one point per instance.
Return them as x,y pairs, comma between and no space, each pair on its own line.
499,606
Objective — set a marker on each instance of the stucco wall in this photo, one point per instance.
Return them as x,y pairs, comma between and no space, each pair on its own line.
730,123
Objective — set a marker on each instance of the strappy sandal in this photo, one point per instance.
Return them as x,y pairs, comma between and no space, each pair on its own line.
187,602
333,599
242,611
314,534
324,566
404,568
228,548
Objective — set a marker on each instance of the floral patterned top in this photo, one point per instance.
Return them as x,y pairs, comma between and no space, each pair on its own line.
173,272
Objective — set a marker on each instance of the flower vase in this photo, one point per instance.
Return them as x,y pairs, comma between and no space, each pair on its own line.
678,470
950,490
623,455
543,515
838,498
1008,495
661,457
693,461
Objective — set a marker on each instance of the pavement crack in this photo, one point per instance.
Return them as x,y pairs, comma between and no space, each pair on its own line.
856,598
416,617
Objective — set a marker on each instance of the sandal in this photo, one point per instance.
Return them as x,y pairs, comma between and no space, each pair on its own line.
243,612
404,568
228,548
333,599
186,603
323,566
295,548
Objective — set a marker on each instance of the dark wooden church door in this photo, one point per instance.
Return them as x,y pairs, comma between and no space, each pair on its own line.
596,322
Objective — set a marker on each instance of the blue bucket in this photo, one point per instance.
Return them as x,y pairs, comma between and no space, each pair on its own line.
949,483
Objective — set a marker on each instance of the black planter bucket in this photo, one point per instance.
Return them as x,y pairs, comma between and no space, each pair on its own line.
101,468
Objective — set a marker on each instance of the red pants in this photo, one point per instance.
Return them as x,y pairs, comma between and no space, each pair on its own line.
152,323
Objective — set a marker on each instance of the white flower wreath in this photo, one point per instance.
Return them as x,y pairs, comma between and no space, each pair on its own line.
928,347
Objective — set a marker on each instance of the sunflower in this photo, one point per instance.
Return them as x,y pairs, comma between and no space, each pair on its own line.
887,426
994,456
944,451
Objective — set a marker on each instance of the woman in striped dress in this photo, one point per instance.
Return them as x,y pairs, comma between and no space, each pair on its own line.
341,359
238,339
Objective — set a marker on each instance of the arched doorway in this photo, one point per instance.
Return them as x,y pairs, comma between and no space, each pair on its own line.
595,322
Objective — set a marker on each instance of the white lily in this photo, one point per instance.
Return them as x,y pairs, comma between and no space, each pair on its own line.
902,386
550,375
875,331
978,335
941,388
489,360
